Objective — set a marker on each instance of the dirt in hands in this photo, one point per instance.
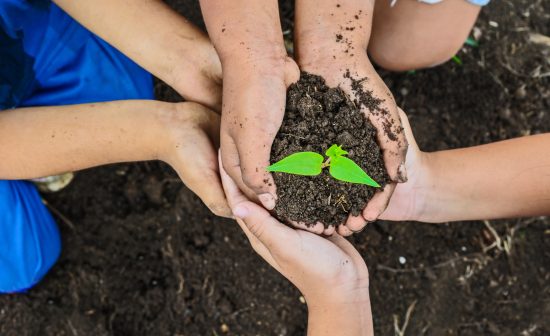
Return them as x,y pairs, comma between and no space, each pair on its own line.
317,117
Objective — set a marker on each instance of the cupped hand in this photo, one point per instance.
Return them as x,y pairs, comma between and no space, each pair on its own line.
337,71
323,269
409,200
192,133
253,109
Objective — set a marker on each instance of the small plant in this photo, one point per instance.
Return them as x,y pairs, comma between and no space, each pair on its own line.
311,164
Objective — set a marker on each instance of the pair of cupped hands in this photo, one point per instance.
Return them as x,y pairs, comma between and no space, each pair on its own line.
223,159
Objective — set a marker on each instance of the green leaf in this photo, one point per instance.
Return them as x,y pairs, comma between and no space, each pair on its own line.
346,170
471,42
457,60
335,151
302,163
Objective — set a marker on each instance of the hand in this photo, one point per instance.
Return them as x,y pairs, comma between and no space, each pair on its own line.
327,49
192,141
408,201
329,272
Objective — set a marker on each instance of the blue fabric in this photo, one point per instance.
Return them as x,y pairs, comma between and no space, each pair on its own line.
29,239
47,58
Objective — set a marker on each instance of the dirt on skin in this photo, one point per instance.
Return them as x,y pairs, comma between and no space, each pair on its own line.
143,256
316,117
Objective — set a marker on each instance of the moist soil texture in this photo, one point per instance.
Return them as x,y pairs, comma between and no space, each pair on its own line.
143,256
317,117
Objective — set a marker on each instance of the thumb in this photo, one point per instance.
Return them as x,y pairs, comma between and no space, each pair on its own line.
261,225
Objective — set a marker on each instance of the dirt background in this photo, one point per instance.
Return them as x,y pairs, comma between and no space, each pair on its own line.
142,255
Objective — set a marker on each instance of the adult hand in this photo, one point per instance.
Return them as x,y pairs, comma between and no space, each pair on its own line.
191,145
329,272
331,41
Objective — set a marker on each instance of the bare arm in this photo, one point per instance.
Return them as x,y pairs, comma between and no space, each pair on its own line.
41,141
500,180
157,38
504,179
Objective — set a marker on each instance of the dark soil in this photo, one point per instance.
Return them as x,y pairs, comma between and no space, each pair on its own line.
317,117
143,256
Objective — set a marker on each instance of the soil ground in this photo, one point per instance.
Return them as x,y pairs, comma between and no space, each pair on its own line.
143,256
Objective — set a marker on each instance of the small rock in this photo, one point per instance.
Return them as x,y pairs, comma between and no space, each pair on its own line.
224,328
402,260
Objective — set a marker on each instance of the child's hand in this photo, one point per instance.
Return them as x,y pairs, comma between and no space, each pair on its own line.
394,145
329,272
408,200
323,269
192,141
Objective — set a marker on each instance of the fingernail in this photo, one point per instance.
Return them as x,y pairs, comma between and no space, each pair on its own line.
402,173
267,200
240,211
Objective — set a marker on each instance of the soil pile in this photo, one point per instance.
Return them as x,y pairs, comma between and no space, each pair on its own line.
317,117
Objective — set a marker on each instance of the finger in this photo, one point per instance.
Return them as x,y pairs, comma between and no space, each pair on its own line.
203,168
343,230
274,235
229,159
317,228
253,128
378,203
235,197
355,223
329,231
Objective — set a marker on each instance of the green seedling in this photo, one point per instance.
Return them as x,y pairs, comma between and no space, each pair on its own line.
471,42
457,60
311,164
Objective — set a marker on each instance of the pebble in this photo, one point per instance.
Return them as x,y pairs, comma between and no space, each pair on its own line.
402,260
224,328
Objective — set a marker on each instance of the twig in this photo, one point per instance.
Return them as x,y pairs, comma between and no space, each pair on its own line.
401,331
58,213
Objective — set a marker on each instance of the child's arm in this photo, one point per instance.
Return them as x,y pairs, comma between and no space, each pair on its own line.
40,141
329,272
160,40
500,180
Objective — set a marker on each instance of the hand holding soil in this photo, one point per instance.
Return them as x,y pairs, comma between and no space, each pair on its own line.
329,272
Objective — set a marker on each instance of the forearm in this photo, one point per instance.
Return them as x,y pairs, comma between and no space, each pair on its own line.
158,39
500,180
246,32
353,318
41,141
330,30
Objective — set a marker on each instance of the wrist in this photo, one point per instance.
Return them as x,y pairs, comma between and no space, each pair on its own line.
332,30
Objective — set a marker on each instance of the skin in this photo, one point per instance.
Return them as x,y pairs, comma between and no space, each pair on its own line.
169,47
403,35
256,74
505,179
158,39
320,51
329,272
57,139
